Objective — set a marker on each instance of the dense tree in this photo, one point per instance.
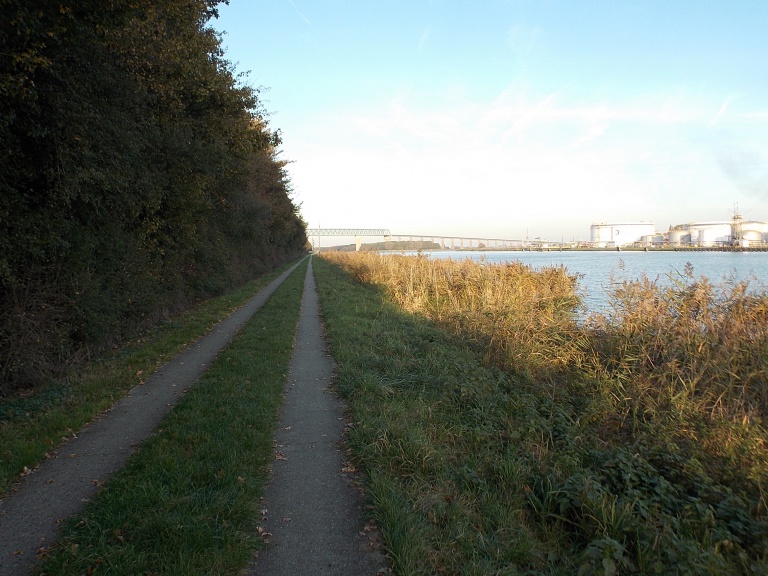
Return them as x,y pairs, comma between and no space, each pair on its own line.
136,175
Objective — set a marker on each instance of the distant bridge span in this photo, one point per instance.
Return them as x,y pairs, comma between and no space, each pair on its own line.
348,232
358,233
445,241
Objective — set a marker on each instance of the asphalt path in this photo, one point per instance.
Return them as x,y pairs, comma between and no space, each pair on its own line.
311,513
31,515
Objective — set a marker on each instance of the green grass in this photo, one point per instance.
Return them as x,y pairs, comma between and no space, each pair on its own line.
188,501
33,423
484,461
429,420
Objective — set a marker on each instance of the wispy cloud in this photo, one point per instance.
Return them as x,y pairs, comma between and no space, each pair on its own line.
301,15
515,119
549,161
423,39
720,113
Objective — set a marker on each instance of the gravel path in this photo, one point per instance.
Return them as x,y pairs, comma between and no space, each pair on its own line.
30,516
311,506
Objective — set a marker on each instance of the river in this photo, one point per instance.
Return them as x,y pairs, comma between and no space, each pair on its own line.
597,269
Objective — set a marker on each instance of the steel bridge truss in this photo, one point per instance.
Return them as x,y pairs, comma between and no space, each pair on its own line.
445,242
358,233
348,232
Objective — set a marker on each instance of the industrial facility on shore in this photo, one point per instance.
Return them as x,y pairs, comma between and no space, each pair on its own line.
735,233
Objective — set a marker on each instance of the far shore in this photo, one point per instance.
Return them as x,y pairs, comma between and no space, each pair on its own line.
413,246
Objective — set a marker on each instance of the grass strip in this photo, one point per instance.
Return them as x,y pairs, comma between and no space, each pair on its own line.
425,411
33,423
188,501
476,468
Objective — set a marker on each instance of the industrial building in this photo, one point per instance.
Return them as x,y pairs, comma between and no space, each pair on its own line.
735,232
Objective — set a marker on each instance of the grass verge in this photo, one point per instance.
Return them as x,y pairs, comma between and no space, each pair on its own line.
188,501
33,423
486,458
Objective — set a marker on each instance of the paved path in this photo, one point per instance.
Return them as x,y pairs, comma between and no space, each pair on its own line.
311,506
30,516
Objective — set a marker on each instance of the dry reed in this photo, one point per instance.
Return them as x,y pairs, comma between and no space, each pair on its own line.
521,319
688,343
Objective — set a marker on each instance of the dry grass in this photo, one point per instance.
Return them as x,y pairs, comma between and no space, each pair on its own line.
520,318
698,346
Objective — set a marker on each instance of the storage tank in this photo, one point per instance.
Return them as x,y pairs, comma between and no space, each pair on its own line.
714,233
752,235
708,234
680,236
619,233
755,231
652,239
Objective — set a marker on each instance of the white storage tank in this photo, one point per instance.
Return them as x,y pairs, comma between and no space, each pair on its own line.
752,235
652,240
755,231
679,236
714,233
619,233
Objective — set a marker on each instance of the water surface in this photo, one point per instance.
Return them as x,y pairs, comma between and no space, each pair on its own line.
599,269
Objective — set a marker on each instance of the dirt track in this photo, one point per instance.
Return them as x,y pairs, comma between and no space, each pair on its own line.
30,516
312,507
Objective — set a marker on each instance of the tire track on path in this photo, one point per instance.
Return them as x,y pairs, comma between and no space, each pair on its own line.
311,507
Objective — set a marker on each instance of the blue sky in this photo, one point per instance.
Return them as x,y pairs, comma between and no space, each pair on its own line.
507,118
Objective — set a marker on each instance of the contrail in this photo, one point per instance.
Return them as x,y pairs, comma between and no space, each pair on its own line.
720,112
302,16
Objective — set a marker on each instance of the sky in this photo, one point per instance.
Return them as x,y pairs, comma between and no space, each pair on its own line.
511,118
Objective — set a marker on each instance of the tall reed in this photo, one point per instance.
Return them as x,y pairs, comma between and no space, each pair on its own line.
685,343
521,319
688,342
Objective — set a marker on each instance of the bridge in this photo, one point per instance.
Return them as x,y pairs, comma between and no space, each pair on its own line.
358,233
445,242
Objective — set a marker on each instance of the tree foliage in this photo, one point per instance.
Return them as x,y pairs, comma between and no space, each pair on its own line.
137,174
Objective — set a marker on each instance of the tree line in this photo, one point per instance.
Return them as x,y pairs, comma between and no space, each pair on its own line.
138,174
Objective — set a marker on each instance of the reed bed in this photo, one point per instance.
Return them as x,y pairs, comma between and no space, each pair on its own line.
695,345
519,318
701,347
628,442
